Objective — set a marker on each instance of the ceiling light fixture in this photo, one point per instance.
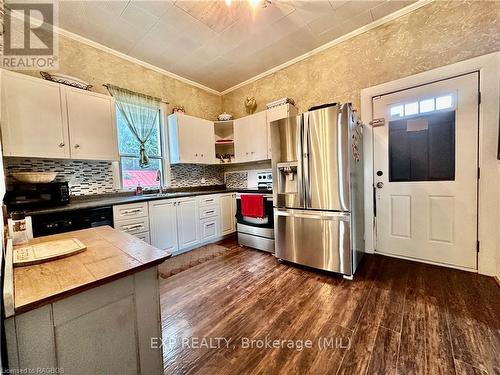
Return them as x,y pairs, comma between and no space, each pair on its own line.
253,3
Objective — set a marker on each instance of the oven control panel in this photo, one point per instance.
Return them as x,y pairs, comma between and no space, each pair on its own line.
264,180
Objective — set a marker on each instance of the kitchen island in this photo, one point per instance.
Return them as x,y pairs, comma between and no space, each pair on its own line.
93,312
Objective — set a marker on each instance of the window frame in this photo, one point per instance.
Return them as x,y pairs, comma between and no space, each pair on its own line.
164,157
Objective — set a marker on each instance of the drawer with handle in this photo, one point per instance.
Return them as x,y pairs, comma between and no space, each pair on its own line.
208,211
207,200
209,229
133,226
128,211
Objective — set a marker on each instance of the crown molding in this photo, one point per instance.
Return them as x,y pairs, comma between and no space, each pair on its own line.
343,38
352,34
131,59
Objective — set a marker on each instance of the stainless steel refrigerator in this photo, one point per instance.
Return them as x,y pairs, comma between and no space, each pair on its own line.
317,163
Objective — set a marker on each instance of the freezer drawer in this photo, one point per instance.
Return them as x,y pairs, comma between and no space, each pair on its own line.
315,239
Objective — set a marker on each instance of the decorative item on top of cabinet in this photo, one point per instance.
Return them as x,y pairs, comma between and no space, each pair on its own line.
250,105
191,140
66,80
179,109
224,117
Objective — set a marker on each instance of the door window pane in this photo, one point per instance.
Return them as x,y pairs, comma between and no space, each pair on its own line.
397,111
444,102
427,105
423,150
411,109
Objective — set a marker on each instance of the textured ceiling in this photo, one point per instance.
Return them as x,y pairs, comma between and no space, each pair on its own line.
211,43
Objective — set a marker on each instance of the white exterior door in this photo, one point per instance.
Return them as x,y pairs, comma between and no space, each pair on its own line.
188,222
163,224
425,172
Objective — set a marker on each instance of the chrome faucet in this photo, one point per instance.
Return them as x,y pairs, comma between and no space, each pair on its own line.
160,180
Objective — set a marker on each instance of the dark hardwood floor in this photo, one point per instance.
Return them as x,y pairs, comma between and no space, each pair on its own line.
395,317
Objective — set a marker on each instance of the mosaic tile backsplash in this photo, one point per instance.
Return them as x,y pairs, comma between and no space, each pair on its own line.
84,177
236,180
96,177
188,175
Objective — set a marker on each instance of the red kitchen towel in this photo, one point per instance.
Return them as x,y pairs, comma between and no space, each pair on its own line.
252,205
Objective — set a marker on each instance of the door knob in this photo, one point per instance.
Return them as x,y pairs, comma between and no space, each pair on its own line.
380,185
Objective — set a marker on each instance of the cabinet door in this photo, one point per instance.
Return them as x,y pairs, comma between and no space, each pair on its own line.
277,113
206,137
163,225
191,140
92,126
188,222
228,212
33,120
256,130
241,140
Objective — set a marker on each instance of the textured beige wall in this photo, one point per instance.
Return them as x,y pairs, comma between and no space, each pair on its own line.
435,35
97,67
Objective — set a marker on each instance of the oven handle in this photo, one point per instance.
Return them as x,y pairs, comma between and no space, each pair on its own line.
268,197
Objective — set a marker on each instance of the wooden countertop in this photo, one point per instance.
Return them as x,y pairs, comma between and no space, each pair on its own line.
110,255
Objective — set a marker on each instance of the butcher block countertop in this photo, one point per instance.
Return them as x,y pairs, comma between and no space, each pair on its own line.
110,255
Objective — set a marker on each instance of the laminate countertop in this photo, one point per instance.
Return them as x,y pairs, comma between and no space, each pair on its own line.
110,255
115,199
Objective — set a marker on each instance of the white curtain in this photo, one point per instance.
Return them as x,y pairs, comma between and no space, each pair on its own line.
141,114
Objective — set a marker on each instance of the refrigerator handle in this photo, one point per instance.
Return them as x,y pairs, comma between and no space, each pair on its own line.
305,141
300,170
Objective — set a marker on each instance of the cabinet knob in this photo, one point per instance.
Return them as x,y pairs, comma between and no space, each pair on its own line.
201,155
61,144
247,153
252,152
195,154
77,146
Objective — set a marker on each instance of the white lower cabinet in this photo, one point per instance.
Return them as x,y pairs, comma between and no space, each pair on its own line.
178,225
228,213
163,224
132,218
187,222
209,229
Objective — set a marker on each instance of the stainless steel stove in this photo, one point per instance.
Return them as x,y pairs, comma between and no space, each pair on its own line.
257,232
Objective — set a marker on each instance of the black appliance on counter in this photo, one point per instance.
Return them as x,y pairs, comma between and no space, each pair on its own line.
23,197
67,221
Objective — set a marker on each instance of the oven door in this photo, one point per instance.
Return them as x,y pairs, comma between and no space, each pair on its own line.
263,227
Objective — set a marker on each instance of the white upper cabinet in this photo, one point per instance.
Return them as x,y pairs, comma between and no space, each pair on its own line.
278,113
33,117
250,138
191,140
47,120
91,119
